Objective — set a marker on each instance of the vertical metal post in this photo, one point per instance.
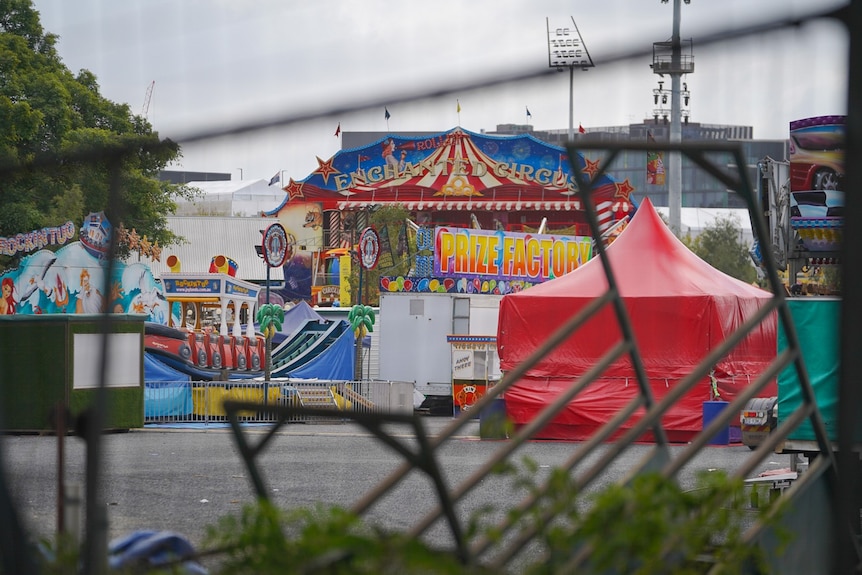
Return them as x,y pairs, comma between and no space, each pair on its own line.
674,188
357,342
846,510
571,103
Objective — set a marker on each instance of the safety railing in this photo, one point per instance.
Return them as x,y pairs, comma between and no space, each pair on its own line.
202,402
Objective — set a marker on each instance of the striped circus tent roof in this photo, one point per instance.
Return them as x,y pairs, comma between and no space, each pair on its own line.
459,170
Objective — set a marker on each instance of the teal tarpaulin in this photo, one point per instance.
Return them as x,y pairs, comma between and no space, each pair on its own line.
817,322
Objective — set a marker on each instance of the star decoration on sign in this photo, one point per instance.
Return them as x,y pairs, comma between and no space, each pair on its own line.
156,251
624,190
294,190
325,169
134,240
146,247
591,168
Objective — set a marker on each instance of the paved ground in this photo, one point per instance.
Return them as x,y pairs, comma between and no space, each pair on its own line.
184,480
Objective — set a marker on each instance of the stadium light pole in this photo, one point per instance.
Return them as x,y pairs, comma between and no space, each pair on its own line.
676,70
566,49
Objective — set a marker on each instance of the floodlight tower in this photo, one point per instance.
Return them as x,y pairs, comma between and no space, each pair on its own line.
668,58
566,49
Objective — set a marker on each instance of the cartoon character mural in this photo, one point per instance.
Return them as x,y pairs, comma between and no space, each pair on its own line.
71,280
7,301
90,299
304,227
313,217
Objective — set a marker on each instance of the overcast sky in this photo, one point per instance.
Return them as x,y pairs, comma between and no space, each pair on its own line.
218,64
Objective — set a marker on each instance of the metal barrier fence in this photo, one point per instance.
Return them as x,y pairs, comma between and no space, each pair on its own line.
202,401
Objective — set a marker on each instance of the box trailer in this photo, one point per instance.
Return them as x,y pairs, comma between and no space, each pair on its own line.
414,346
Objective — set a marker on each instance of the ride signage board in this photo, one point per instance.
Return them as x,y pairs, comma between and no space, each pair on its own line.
275,246
369,248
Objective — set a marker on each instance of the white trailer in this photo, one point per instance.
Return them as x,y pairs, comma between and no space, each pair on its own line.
413,345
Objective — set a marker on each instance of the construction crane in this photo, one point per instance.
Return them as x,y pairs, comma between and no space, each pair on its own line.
145,110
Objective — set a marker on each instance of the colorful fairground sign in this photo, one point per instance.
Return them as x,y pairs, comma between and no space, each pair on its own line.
37,239
817,182
499,191
460,260
454,177
72,278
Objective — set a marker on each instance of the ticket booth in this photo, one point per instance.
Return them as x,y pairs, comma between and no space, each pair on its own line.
475,367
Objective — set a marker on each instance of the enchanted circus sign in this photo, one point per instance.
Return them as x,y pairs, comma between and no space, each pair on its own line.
459,166
495,190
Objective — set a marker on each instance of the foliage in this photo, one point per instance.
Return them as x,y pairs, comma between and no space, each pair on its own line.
651,526
720,246
832,278
61,142
394,219
647,526
264,540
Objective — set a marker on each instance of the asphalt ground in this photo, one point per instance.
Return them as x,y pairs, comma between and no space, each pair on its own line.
184,480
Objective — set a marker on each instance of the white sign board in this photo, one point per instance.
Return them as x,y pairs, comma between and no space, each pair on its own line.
124,361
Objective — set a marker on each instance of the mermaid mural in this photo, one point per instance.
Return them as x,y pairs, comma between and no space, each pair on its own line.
72,279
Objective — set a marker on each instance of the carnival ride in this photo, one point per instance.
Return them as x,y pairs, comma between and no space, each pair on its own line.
317,348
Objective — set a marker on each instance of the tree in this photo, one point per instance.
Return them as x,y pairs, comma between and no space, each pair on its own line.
63,146
390,222
720,246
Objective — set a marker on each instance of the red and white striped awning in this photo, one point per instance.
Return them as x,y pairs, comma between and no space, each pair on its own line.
450,206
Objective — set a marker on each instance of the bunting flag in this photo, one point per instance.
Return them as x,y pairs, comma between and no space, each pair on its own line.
338,129
581,129
529,115
386,113
654,164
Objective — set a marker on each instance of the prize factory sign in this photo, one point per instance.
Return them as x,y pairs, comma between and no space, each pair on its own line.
501,255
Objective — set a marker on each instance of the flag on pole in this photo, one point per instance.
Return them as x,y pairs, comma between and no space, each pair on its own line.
581,129
386,113
275,179
529,115
458,102
338,129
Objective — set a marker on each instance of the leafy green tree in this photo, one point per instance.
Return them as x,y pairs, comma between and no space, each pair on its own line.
393,218
719,245
832,278
63,145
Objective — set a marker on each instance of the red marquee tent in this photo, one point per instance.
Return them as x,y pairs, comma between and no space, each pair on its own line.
680,308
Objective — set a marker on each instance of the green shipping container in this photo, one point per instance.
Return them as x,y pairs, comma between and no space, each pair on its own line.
55,360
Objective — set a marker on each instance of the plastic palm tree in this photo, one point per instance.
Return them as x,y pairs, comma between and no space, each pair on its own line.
269,317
